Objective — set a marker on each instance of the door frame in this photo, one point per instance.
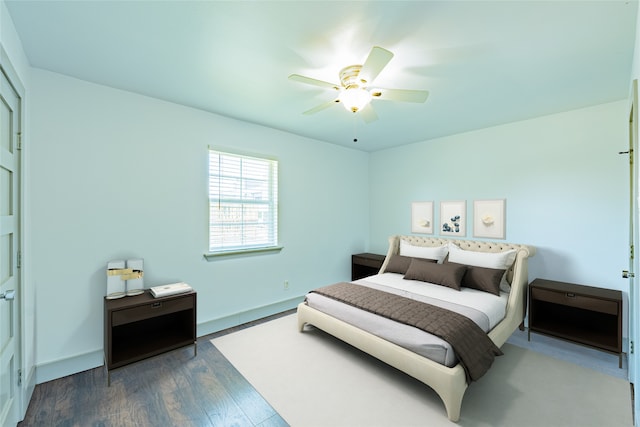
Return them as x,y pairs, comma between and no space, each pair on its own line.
24,302
634,245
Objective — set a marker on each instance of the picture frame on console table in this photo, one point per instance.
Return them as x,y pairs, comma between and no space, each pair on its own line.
422,217
453,218
489,218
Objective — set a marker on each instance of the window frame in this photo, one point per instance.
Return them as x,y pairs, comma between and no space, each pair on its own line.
272,202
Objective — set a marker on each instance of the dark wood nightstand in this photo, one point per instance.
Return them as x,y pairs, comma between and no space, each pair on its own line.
582,314
365,264
142,326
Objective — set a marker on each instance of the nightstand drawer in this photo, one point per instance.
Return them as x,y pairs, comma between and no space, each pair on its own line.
152,309
368,261
575,300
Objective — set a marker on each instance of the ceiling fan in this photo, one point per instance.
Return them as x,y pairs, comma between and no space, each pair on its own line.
355,90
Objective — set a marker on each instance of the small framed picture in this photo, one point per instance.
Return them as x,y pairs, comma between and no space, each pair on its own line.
489,218
453,217
422,217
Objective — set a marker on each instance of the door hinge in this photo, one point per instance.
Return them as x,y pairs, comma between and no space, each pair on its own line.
631,251
630,347
19,141
19,377
19,261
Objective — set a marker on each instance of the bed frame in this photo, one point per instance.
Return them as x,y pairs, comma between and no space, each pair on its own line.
449,383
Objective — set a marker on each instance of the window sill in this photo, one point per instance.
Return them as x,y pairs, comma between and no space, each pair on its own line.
241,252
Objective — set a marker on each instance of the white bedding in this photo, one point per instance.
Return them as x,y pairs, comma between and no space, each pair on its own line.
485,309
491,305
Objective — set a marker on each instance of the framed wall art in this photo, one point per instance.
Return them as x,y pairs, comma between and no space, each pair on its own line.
453,217
422,217
489,218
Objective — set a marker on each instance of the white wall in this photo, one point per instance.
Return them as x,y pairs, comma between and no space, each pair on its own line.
11,43
635,67
566,188
117,175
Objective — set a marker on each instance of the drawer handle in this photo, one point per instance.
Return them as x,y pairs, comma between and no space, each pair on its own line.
571,295
156,305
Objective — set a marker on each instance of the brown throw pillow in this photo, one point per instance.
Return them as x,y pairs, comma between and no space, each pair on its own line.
482,278
447,274
400,264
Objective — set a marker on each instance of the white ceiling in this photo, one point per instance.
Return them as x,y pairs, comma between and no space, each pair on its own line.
484,62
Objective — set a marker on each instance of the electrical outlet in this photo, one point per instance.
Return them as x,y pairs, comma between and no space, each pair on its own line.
286,285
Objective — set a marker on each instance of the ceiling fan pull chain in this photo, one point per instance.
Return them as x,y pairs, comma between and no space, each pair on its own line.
355,124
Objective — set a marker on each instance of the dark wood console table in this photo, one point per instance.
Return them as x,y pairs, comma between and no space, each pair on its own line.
139,327
365,264
582,314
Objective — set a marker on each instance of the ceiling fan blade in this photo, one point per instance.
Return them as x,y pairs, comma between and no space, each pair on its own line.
321,107
403,95
315,82
368,114
378,59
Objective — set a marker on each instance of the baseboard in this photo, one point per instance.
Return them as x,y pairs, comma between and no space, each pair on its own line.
68,366
226,322
74,364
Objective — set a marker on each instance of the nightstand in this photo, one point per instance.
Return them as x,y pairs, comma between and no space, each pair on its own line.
365,264
139,327
581,314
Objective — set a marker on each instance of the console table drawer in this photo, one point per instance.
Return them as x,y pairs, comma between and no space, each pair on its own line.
150,310
576,300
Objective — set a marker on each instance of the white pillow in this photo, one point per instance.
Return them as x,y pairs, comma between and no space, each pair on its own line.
500,260
429,252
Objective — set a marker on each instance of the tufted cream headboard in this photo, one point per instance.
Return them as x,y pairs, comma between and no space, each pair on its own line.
524,251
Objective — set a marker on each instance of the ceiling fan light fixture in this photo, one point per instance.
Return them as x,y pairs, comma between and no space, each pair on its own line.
355,90
354,99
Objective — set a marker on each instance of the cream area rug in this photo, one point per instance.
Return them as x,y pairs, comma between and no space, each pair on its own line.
313,379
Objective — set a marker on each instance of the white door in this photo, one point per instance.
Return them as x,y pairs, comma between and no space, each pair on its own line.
634,295
9,249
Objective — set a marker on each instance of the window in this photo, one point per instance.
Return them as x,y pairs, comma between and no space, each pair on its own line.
243,203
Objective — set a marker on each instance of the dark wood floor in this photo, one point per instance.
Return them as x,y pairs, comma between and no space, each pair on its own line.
174,389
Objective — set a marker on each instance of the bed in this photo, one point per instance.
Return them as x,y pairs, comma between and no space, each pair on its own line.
438,366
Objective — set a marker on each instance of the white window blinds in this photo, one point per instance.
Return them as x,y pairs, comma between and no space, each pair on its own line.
243,202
